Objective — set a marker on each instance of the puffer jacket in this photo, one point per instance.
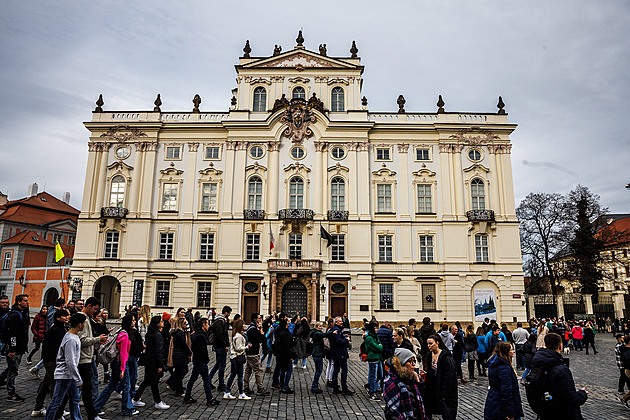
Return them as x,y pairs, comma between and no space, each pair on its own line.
318,342
38,327
504,399
181,351
530,350
374,348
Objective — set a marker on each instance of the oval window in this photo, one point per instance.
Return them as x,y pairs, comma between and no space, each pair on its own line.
251,287
256,152
474,155
122,152
338,152
338,288
298,152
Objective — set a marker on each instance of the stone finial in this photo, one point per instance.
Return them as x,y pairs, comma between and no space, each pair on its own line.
157,103
99,104
401,104
440,104
364,101
501,105
247,49
299,39
233,100
322,49
277,50
196,101
354,50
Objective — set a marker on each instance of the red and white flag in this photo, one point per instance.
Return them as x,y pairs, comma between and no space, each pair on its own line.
272,240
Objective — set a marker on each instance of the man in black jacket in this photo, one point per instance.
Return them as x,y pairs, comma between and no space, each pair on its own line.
4,309
625,360
255,338
221,345
199,347
16,338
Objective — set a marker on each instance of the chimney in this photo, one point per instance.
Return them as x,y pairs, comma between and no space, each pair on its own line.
66,197
32,190
3,198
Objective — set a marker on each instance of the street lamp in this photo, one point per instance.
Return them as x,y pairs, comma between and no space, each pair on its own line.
323,289
263,287
21,280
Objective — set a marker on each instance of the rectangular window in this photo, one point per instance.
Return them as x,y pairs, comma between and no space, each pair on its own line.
71,240
57,237
338,248
386,295
213,152
169,197
383,198
111,244
481,248
426,248
383,153
422,154
424,198
166,246
385,248
209,196
614,273
206,251
295,246
173,152
203,294
428,297
162,292
6,264
253,247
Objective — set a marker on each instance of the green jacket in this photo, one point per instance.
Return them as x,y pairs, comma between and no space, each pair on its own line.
374,348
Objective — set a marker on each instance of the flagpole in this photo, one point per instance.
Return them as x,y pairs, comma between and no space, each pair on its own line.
270,235
320,237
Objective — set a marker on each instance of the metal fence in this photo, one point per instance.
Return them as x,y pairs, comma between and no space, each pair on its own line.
545,306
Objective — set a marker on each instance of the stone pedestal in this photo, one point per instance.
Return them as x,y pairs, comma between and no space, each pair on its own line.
588,304
619,303
560,306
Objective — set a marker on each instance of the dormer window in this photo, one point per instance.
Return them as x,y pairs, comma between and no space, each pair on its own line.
299,93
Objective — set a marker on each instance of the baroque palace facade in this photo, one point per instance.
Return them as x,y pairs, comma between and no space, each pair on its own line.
299,199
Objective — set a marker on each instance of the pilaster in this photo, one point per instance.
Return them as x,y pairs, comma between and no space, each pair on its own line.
403,193
228,186
353,196
239,187
272,181
136,179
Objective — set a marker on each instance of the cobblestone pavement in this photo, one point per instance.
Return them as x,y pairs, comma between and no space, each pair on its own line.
598,373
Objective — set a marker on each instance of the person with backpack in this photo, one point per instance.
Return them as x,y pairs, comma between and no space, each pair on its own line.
38,328
374,351
550,388
200,361
285,353
14,328
218,338
266,342
316,336
153,363
504,398
255,338
300,337
339,353
589,337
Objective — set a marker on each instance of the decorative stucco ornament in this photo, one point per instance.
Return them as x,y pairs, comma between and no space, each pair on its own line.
298,117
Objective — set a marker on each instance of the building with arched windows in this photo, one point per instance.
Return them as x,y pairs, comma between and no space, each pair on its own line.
301,199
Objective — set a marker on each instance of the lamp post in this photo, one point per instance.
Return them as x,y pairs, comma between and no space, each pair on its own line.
323,290
21,280
263,287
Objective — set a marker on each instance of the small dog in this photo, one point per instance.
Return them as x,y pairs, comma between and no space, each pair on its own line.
566,350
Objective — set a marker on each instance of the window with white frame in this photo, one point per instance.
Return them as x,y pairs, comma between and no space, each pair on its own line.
337,100
166,246
296,193
204,289
338,248
173,152
428,297
256,152
57,237
338,152
254,193
481,248
72,240
338,194
299,93
426,248
295,246
117,192
6,261
213,153
169,196
385,248
3,290
383,198
260,99
423,154
424,198
252,253
386,296
112,239
383,153
162,292
209,196
206,246
477,194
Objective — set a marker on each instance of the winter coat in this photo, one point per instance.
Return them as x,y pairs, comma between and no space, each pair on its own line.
237,346
154,352
403,399
199,347
504,398
540,341
447,339
255,338
385,337
300,336
577,333
16,335
425,332
283,345
566,400
481,344
220,330
529,350
181,351
458,347
374,348
38,327
441,386
338,344
318,342
52,341
589,335
625,356
470,343
406,344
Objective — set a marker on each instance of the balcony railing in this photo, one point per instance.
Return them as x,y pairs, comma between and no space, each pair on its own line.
338,215
305,266
115,212
295,214
254,214
480,215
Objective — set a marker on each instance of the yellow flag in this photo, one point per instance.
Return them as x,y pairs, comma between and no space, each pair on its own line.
58,252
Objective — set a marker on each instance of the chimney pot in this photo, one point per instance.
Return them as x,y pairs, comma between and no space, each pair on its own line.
32,189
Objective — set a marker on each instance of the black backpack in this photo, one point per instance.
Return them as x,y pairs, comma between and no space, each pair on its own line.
3,325
539,389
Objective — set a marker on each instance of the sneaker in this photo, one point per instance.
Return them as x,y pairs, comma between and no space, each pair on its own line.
228,396
101,413
288,391
98,418
189,400
374,397
28,362
162,406
34,372
262,392
244,397
221,388
213,402
138,403
15,398
67,413
135,413
316,391
38,413
347,393
303,366
116,395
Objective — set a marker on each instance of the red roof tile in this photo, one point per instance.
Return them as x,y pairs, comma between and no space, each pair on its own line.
46,201
616,233
28,237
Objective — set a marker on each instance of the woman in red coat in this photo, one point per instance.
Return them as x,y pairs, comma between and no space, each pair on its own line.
38,327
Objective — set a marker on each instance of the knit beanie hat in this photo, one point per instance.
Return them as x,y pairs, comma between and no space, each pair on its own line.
166,316
403,355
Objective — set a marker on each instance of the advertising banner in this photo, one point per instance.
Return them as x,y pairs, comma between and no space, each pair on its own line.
485,306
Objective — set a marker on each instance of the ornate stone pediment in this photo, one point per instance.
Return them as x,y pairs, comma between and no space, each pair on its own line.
299,79
210,172
297,167
384,173
171,172
338,81
299,59
338,169
120,166
258,80
422,173
255,168
477,168
122,133
467,136
298,117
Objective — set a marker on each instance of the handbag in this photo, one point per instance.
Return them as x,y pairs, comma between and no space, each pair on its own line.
240,359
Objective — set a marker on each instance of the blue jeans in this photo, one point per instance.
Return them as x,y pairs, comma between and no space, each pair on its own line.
374,375
219,365
285,374
127,404
520,356
341,365
94,377
577,343
236,369
200,369
296,361
132,366
63,387
525,373
319,367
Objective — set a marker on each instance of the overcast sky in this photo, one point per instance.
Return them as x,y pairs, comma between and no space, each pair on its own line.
562,68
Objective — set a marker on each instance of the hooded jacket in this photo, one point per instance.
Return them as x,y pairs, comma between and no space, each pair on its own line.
17,323
447,339
425,332
504,398
38,328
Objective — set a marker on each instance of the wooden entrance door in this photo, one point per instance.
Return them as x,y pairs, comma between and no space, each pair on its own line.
337,306
250,306
294,298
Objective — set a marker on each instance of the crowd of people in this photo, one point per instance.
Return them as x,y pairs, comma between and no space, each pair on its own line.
415,369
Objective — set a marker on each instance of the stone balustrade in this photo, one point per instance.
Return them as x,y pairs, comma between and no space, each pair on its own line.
303,266
480,215
114,212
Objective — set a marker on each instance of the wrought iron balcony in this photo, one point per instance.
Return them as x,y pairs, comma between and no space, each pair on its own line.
114,212
304,266
295,214
254,214
338,215
480,215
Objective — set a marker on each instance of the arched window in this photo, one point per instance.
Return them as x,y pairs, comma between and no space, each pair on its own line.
338,194
336,100
299,93
296,193
477,194
254,193
117,195
260,99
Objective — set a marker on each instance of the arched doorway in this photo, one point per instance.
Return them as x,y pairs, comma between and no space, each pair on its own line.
294,298
51,296
107,290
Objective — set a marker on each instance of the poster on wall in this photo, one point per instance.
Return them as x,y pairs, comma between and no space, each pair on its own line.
485,306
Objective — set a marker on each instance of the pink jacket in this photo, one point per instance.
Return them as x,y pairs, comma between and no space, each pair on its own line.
577,332
124,344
